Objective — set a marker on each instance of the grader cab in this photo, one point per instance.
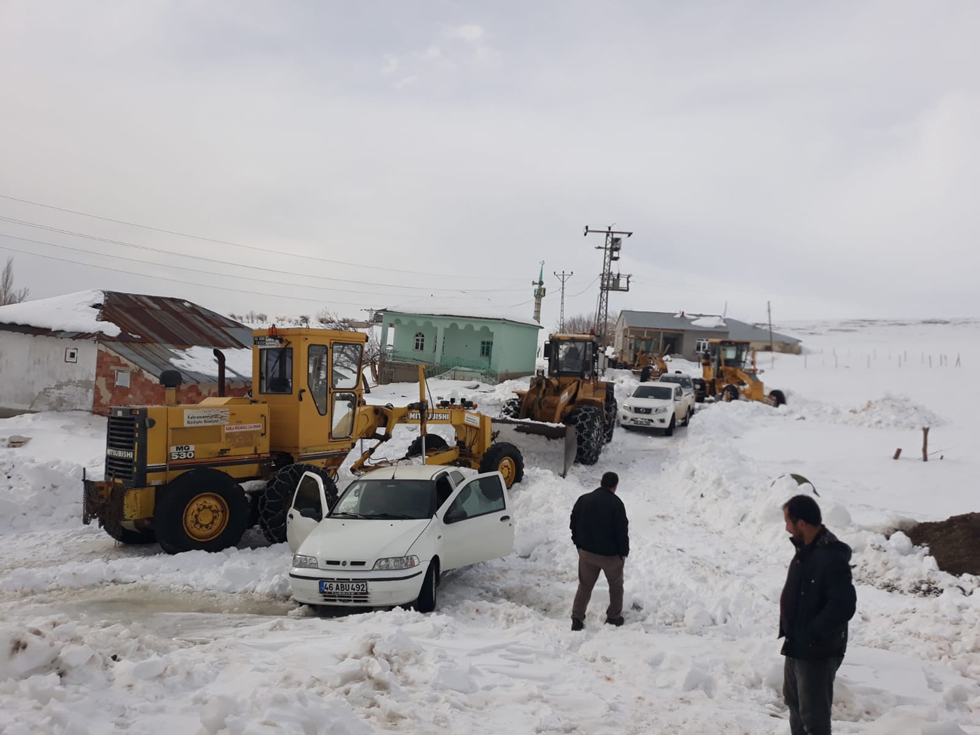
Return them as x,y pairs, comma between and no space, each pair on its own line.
174,472
568,400
729,371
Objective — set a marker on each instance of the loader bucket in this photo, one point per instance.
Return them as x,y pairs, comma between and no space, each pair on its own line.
549,446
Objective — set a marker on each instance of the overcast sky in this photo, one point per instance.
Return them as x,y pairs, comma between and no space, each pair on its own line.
824,156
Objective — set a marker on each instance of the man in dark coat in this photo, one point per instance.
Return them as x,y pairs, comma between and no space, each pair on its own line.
816,604
600,532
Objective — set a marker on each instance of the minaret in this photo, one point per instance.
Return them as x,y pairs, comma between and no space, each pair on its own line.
539,292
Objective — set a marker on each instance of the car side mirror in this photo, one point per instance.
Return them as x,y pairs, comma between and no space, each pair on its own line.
311,513
453,515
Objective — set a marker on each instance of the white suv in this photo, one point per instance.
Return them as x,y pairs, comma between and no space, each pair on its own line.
657,406
393,532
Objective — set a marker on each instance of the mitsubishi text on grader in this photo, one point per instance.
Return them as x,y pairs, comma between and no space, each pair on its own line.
173,473
568,397
729,372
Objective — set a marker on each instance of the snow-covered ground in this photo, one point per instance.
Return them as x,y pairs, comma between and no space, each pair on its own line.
97,637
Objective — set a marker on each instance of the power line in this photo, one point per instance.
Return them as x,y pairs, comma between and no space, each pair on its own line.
263,269
247,247
177,280
209,273
591,284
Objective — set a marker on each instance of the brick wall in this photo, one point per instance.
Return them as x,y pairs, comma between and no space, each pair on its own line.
144,389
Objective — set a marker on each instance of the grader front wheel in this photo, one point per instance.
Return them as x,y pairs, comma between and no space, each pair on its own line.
506,459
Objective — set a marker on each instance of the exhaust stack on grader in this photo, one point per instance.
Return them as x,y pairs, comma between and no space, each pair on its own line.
173,473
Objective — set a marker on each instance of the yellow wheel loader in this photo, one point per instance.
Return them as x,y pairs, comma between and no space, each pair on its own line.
174,473
729,372
568,401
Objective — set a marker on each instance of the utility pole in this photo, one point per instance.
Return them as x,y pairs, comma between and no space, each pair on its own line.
563,277
608,281
372,313
539,293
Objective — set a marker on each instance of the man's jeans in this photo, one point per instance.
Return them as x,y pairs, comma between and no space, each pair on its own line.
808,687
589,566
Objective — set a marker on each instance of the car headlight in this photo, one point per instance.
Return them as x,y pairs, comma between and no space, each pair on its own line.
306,562
661,410
397,562
628,408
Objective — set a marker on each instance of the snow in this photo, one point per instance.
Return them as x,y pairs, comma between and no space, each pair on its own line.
709,322
74,312
201,360
97,637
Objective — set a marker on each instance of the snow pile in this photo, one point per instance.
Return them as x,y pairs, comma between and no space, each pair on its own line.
263,571
36,494
41,482
887,412
75,312
709,322
202,360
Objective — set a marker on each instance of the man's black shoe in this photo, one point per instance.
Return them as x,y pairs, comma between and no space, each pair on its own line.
615,621
577,624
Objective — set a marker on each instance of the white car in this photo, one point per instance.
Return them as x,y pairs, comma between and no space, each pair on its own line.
679,378
657,406
393,532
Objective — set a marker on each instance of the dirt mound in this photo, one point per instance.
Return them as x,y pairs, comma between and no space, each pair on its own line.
955,542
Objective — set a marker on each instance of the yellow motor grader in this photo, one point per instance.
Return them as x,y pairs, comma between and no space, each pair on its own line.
173,473
729,371
568,399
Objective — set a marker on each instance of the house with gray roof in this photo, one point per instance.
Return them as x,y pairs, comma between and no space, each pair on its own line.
95,349
685,334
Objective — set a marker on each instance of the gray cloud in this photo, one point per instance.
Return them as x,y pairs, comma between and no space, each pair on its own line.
823,157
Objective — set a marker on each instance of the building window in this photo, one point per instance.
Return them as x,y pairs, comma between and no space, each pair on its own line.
701,346
122,378
71,354
486,347
419,341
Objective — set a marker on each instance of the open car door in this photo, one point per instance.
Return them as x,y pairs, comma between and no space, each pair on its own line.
478,523
308,508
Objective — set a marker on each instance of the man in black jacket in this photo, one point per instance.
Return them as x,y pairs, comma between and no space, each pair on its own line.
600,532
816,604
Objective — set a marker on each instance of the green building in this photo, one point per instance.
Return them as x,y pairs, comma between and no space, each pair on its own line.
488,348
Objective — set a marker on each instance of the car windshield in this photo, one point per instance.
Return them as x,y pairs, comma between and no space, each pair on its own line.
681,379
387,500
662,392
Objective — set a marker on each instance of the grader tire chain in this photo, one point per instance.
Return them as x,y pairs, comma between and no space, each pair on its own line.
432,441
511,409
587,421
275,500
612,409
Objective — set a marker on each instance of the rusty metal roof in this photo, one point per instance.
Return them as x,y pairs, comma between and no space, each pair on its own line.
154,359
157,320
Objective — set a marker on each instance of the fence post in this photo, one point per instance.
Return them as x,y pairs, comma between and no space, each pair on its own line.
925,443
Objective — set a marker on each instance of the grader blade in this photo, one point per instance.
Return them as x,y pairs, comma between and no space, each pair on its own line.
549,446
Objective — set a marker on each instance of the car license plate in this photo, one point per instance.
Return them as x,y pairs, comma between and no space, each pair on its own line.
344,589
645,422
